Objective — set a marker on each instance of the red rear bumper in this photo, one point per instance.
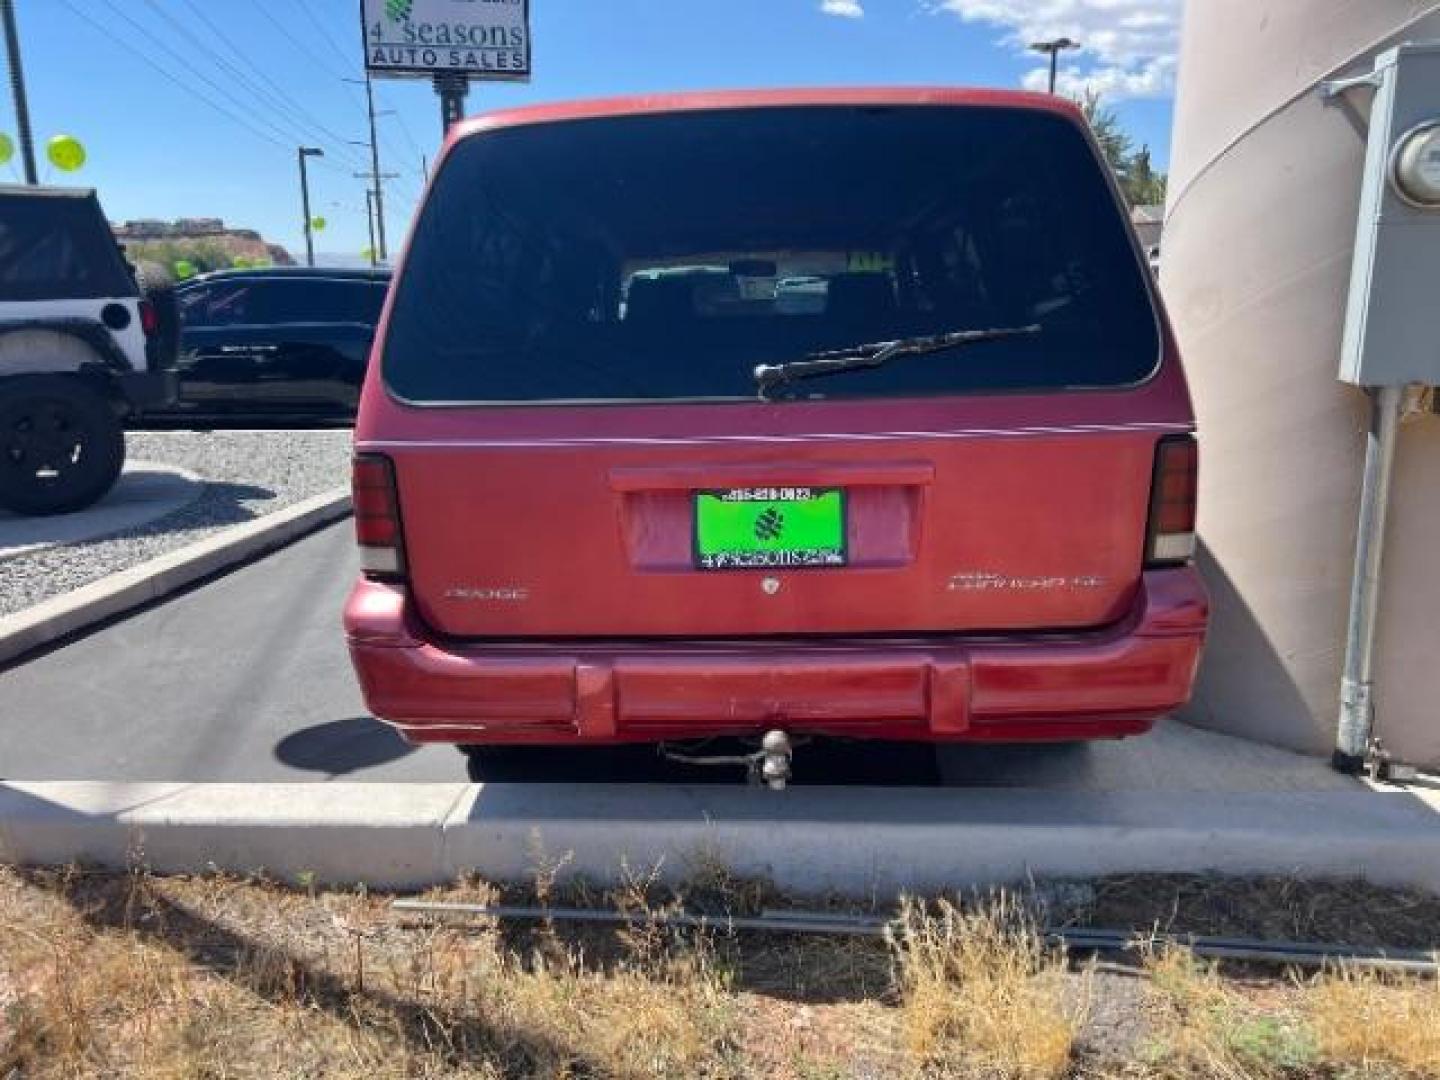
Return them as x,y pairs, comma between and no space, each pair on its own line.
1099,684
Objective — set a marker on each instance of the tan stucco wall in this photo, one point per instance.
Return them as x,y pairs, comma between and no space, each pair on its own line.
1264,188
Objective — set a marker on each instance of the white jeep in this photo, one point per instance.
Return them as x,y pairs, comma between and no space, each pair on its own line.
86,342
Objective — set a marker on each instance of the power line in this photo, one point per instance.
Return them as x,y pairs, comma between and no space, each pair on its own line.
323,32
295,42
259,82
182,60
190,91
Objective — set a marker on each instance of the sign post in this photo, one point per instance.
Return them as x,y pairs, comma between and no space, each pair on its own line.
450,42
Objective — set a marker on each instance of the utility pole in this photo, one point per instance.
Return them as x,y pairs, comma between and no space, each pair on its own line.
370,222
376,176
1054,47
17,89
303,152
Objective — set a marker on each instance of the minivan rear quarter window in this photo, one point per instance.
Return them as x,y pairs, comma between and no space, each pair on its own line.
665,256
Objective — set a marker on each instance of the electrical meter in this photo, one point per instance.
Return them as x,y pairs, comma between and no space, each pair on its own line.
1392,321
1416,171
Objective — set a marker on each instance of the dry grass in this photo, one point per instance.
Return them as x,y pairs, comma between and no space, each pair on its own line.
1203,1025
136,976
1377,1023
141,978
981,992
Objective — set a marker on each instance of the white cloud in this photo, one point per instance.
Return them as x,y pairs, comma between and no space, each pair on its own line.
1128,46
846,9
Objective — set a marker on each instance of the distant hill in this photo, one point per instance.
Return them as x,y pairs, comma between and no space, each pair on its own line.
205,243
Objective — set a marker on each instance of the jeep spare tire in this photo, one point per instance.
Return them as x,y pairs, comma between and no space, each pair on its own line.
61,445
157,285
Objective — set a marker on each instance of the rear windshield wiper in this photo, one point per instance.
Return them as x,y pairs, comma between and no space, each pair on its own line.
877,354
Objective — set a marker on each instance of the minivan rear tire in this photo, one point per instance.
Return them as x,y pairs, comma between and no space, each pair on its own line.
61,445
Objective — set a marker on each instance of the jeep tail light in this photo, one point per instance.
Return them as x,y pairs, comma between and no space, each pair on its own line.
377,516
1171,536
149,319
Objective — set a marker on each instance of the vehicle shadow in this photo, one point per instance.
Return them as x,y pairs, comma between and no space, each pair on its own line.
341,747
1241,668
220,503
822,762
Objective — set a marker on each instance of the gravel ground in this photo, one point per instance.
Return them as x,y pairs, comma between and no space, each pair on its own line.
248,474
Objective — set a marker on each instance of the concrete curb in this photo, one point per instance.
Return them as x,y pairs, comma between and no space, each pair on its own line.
120,592
857,841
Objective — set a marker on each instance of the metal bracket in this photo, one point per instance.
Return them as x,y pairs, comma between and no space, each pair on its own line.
1332,93
1331,89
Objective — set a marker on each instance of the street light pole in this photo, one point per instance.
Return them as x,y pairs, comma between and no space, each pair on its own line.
17,89
1054,47
303,152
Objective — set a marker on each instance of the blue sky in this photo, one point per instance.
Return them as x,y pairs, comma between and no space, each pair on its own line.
119,75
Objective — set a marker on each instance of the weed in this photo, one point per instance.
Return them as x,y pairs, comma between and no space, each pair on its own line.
981,991
1367,1019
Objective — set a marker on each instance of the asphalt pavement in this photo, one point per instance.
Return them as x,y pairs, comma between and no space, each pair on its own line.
245,678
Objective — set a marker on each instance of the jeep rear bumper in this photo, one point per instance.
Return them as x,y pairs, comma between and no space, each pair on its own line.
143,390
1099,684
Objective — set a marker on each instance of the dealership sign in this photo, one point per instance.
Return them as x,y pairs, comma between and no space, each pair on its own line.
481,39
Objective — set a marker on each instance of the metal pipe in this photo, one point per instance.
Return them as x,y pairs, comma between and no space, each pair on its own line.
805,923
1072,939
17,90
1357,706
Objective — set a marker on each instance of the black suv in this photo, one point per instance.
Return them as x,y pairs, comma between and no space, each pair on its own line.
285,343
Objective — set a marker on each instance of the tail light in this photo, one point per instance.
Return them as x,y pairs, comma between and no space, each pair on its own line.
377,517
1170,539
149,318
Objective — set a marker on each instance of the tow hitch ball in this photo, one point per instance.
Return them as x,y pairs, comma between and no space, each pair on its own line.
770,765
773,761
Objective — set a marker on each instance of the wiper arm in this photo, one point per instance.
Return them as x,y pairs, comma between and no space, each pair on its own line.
877,354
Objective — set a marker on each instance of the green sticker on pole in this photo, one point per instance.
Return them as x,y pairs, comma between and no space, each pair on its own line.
770,528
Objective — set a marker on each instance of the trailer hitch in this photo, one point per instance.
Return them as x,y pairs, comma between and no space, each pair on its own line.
768,766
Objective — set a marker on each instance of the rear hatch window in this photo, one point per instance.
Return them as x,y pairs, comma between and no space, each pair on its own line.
58,246
663,257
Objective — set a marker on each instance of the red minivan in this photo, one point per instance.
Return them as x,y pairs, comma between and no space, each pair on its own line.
836,412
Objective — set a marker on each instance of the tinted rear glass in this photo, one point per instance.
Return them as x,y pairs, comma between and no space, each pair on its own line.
665,256
269,301
58,247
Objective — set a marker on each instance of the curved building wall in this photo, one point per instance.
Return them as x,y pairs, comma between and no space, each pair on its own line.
1265,182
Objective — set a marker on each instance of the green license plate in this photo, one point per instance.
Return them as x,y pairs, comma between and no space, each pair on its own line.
772,527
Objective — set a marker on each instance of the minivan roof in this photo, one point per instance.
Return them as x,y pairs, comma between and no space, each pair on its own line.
641,104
